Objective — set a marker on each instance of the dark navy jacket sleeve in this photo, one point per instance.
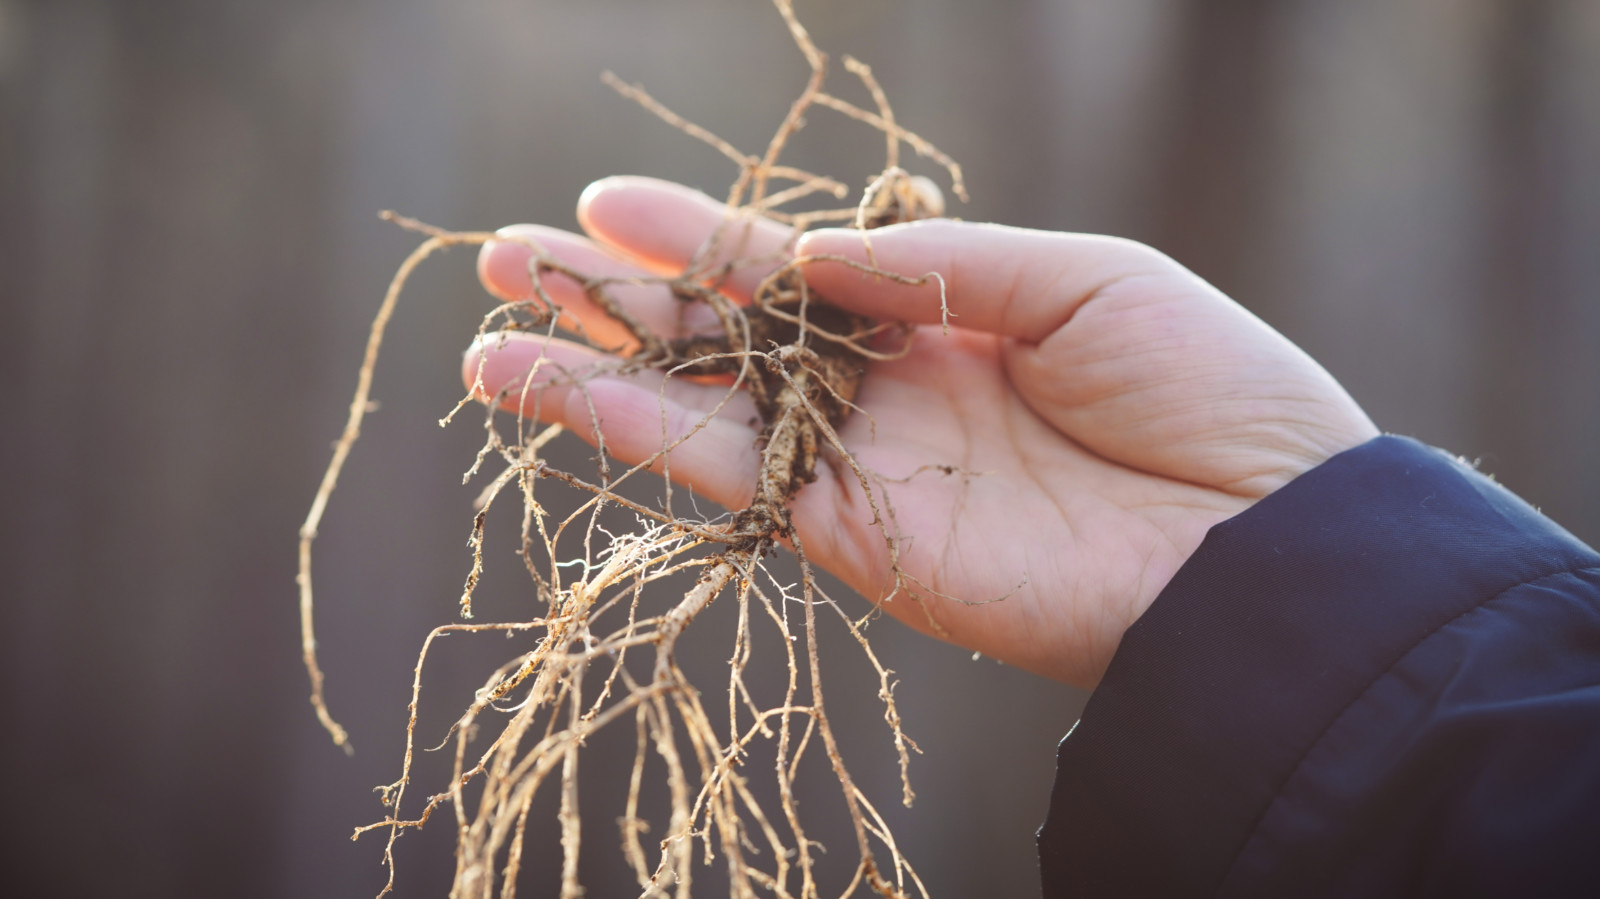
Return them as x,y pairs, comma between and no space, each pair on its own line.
1381,680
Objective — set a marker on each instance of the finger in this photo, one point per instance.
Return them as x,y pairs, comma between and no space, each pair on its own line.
636,415
666,227
1009,281
503,269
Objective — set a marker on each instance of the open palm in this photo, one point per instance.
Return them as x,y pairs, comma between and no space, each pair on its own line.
1050,461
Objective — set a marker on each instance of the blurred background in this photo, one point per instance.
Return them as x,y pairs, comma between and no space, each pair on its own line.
189,257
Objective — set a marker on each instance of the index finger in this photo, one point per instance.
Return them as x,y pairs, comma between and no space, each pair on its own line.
667,227
641,228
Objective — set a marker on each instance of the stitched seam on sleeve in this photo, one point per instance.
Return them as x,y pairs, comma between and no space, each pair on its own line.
1355,700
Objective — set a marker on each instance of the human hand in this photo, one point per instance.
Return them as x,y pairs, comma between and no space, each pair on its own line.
1101,406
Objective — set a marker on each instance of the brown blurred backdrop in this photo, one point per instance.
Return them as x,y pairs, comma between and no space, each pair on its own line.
189,257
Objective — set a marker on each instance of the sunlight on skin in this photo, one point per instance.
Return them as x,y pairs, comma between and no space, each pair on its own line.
1103,405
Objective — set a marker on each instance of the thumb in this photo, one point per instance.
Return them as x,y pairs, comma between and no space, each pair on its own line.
1014,282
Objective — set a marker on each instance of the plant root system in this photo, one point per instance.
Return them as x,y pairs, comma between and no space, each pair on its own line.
801,361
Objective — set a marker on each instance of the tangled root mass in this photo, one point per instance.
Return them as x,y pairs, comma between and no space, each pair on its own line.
802,362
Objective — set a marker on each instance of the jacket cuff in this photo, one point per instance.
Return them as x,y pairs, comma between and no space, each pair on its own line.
1275,625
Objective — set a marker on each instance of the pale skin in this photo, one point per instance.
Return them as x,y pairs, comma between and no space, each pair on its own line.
1103,407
